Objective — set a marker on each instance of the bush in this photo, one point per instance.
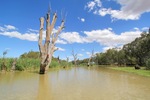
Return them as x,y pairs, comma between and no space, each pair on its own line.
7,62
54,64
148,64
19,67
27,63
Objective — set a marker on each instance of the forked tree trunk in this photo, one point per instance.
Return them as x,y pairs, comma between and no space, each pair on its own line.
48,48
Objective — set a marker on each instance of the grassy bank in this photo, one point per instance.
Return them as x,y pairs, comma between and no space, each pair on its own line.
142,71
29,64
21,64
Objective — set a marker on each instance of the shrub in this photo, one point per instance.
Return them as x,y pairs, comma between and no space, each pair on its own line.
54,64
7,62
27,63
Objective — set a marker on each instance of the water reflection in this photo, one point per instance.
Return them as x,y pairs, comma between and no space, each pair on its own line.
44,88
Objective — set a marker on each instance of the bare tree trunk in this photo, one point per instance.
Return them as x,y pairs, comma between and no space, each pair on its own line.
89,62
48,48
75,57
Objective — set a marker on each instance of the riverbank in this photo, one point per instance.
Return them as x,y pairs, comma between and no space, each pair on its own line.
141,71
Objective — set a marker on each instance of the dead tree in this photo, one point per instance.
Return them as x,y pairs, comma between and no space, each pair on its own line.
48,48
74,57
89,61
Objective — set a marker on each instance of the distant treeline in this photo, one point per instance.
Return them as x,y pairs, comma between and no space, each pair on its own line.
136,52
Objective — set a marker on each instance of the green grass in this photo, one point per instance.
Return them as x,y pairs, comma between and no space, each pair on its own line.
142,71
29,64
21,64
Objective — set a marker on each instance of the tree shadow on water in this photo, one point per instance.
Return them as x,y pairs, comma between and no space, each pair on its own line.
44,89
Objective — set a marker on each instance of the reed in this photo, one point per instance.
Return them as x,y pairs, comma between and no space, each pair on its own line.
29,64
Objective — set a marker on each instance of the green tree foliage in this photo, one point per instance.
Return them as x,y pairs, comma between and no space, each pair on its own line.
121,57
107,58
82,62
30,54
136,52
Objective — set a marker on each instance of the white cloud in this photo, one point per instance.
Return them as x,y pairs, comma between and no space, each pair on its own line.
105,37
10,27
59,41
145,28
108,38
80,55
93,4
33,30
72,37
107,48
7,28
61,49
81,19
88,53
2,29
30,35
129,10
137,29
26,36
10,31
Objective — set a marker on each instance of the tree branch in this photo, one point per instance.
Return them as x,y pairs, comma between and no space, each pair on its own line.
58,31
53,22
41,31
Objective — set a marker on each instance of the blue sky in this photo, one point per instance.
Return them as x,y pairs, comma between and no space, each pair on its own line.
90,25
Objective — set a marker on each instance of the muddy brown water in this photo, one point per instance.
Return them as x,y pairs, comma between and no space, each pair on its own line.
74,84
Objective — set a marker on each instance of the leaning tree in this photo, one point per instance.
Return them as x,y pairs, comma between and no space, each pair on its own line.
48,47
